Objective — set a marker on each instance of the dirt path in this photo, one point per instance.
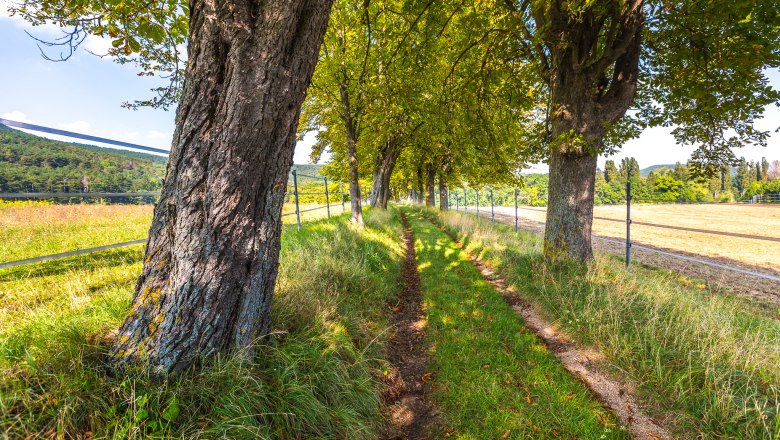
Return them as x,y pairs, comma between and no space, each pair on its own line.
578,361
410,413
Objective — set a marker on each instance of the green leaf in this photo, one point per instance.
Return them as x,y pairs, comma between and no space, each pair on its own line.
141,415
171,412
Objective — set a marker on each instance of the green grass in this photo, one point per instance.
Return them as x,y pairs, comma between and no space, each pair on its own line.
319,376
706,363
32,229
491,374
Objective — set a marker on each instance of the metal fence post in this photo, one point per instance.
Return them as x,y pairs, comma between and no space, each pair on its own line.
327,197
295,191
516,218
477,203
628,225
492,212
341,190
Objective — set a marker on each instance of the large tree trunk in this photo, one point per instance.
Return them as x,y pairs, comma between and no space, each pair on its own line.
572,173
430,186
444,194
570,206
211,262
383,170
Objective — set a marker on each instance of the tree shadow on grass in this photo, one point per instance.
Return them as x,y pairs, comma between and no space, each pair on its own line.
86,262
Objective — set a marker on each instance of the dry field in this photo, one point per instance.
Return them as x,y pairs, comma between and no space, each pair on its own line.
744,253
743,219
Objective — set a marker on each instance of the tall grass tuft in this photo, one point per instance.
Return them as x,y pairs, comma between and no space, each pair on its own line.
707,363
318,375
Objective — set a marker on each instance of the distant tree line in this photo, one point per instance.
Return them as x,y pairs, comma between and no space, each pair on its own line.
661,185
31,163
679,185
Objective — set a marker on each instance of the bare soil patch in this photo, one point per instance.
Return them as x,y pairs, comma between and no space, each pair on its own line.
411,415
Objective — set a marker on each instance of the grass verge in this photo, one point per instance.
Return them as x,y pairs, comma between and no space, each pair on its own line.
706,363
492,377
319,376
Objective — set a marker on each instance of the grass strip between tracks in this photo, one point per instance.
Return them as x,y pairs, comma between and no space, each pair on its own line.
492,377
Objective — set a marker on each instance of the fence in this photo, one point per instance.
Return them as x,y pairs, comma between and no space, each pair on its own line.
462,196
766,198
296,194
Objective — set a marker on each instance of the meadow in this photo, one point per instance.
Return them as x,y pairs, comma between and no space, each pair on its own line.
317,376
31,229
703,364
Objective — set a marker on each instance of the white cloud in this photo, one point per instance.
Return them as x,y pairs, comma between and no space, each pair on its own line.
97,45
79,126
154,134
4,14
42,30
17,116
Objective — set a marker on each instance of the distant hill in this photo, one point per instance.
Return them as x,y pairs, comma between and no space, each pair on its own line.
305,171
645,171
30,163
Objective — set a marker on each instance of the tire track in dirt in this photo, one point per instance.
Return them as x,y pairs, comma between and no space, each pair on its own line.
411,415
577,360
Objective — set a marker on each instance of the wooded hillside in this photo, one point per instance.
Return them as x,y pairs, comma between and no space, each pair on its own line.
30,163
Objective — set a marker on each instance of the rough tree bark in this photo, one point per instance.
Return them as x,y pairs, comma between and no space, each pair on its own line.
430,186
383,170
212,258
592,83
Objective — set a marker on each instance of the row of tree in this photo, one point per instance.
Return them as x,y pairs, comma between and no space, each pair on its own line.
405,91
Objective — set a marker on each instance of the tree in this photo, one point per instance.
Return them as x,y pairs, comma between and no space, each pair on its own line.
744,177
610,171
339,97
702,66
764,169
211,261
774,170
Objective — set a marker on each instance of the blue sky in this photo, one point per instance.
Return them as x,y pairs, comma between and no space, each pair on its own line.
84,95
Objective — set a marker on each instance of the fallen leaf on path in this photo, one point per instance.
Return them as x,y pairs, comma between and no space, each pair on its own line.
506,434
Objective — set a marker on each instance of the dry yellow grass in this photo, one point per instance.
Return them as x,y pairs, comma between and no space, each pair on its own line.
36,229
743,219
